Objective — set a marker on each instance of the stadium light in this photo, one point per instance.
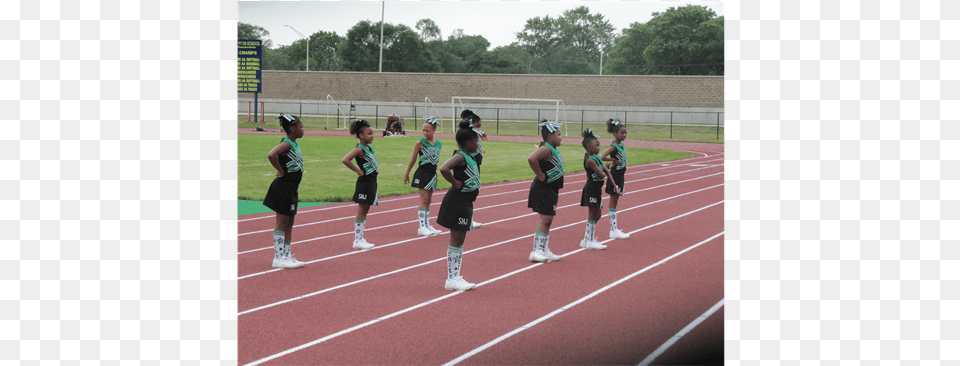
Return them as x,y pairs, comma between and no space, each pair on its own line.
308,45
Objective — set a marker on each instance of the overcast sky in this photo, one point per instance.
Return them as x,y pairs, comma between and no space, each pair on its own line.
497,21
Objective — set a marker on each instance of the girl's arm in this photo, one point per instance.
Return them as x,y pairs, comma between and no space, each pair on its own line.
455,161
606,153
534,161
348,160
606,170
274,154
416,149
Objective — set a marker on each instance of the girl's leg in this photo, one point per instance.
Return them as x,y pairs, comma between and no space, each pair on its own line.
281,233
612,211
429,201
454,260
423,211
593,214
360,222
455,253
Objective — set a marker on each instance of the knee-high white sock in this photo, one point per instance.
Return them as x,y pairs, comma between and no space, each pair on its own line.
358,229
422,216
539,241
454,259
546,242
591,225
426,217
286,248
612,213
278,244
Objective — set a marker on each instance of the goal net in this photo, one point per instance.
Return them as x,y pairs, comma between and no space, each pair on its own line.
521,110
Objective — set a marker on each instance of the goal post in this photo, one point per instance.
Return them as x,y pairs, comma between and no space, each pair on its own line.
330,99
557,102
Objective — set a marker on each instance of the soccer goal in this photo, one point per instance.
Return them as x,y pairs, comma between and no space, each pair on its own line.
426,100
345,123
558,103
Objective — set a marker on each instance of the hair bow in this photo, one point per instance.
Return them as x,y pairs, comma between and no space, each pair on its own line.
616,122
550,125
431,120
284,117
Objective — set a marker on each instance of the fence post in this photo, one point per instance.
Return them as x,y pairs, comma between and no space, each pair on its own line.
538,120
301,111
581,120
718,125
671,125
377,121
498,120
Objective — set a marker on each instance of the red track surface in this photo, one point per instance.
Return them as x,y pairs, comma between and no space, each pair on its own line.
326,312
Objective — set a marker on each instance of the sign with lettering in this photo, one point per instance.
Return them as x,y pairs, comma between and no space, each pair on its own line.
249,57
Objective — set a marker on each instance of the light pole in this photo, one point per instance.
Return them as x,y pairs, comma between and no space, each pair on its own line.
601,62
308,45
382,12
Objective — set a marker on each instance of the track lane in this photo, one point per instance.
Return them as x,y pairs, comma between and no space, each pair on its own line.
426,282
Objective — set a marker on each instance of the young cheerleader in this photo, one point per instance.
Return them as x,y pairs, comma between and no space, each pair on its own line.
619,159
282,196
365,193
591,196
475,123
425,178
456,210
547,164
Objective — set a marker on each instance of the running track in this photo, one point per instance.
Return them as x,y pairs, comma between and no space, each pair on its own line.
655,297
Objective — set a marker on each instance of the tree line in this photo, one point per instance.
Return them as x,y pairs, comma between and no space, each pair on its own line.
685,40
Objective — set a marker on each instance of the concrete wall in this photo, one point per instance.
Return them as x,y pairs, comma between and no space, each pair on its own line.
670,92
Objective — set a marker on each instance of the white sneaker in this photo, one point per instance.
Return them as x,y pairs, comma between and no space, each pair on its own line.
362,244
550,256
423,231
595,245
294,262
536,256
476,224
617,234
287,263
583,243
433,229
458,284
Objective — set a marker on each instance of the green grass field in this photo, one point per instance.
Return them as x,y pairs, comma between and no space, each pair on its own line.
327,180
529,128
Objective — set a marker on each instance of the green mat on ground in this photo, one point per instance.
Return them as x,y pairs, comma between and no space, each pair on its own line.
246,207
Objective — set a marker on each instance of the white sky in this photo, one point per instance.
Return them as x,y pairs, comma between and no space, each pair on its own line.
497,21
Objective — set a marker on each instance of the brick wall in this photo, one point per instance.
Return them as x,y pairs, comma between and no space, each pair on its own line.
586,90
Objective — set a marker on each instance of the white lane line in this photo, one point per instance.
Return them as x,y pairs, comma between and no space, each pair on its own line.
438,203
363,325
663,348
444,258
492,186
578,301
444,232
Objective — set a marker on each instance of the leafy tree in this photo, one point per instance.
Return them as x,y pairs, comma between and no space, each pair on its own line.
465,46
678,48
495,62
403,50
429,30
626,57
538,37
250,31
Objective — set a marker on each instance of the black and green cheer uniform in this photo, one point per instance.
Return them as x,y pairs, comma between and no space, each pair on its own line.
617,171
366,189
426,175
593,188
544,196
456,210
282,196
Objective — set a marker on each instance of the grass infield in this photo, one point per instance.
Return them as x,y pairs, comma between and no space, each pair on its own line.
326,179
